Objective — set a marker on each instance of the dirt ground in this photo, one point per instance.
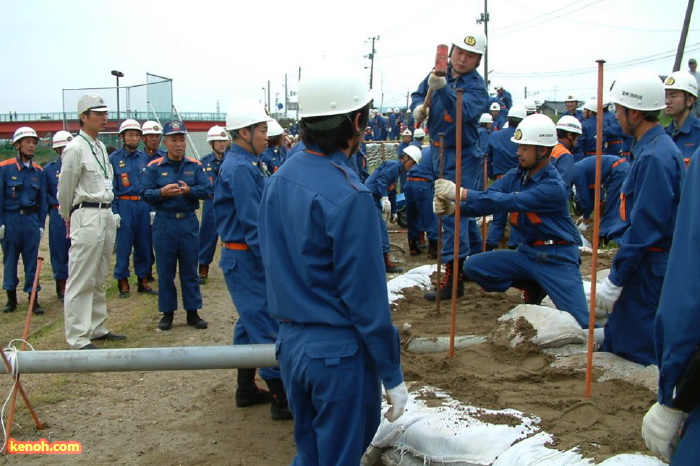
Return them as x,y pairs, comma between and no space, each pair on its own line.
189,418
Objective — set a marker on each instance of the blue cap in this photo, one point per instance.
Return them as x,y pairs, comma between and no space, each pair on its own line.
174,127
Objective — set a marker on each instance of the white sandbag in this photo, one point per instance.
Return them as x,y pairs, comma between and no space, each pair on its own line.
419,276
553,328
612,367
636,459
533,452
442,344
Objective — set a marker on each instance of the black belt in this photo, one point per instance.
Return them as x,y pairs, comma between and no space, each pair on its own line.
549,242
28,210
93,205
169,214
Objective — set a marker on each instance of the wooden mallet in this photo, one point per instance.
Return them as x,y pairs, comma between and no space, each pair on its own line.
440,69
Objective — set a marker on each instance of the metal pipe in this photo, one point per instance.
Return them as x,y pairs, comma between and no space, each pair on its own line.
144,359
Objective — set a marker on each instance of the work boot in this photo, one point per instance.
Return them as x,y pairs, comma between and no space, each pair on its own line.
389,266
490,247
37,310
421,240
166,322
445,286
195,321
123,285
532,291
11,305
144,287
432,249
203,273
413,247
279,408
247,392
150,278
60,289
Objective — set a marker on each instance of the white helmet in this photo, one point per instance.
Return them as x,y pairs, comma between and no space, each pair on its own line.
571,98
408,111
130,124
413,152
217,133
332,91
274,128
151,127
536,130
245,114
570,123
61,139
397,110
517,111
639,90
530,106
486,118
24,132
498,87
406,132
475,42
419,133
495,107
592,105
683,81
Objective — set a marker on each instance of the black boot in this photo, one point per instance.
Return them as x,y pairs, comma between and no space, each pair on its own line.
532,291
247,392
279,408
432,249
193,320
203,273
389,266
445,286
60,289
37,310
421,240
413,248
123,286
166,322
144,287
11,305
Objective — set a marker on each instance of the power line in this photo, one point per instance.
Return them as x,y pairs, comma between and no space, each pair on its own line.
537,22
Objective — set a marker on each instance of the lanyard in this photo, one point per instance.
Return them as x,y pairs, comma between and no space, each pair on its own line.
102,164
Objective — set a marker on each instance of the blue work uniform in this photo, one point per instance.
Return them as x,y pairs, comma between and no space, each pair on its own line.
359,162
501,156
419,191
23,210
483,139
563,161
336,342
59,244
577,113
499,121
273,157
207,229
399,153
443,117
382,183
678,319
613,172
159,153
687,137
548,253
237,196
176,229
648,203
378,125
506,98
135,226
613,133
587,141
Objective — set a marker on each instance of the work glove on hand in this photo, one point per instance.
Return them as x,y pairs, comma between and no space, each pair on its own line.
660,429
41,234
393,218
420,113
443,206
118,220
396,398
153,215
446,188
2,232
386,207
436,82
582,227
606,295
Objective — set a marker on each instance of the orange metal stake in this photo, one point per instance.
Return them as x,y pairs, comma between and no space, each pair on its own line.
485,175
439,239
458,188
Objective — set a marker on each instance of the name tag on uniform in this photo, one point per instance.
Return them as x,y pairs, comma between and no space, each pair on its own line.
108,184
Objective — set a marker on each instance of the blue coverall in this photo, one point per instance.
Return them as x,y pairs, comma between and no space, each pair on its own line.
135,230
419,193
443,117
677,321
648,203
399,153
587,140
23,210
236,202
176,229
506,98
336,343
207,229
563,161
499,120
273,157
687,137
501,156
59,244
379,127
358,162
548,253
614,170
382,183
578,114
613,133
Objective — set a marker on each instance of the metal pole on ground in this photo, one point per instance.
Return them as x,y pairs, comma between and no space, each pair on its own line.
458,187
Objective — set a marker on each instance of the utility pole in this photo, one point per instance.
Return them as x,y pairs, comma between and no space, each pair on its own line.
371,57
484,18
269,103
286,95
684,35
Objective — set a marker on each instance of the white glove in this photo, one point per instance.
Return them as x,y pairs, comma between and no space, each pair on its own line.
420,113
606,295
393,218
446,188
2,232
153,215
41,234
396,398
582,227
386,206
660,429
436,82
443,206
118,220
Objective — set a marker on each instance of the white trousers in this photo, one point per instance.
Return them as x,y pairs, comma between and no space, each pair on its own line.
92,233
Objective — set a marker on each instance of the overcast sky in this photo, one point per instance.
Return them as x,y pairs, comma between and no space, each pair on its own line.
223,51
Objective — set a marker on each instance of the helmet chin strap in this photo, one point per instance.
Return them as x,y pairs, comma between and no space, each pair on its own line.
249,141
